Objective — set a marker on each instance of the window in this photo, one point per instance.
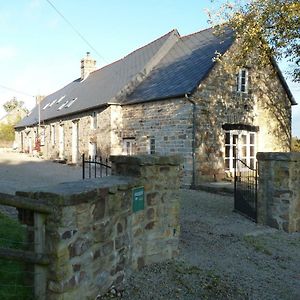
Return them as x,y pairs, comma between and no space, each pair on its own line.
94,120
63,105
240,144
242,81
70,103
60,99
52,102
151,145
52,134
128,146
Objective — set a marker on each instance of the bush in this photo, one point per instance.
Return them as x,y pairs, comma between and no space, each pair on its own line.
295,144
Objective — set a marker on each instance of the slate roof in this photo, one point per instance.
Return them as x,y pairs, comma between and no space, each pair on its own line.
170,66
183,68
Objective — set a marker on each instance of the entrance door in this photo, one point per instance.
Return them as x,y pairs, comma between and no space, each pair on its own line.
92,150
61,142
75,142
239,144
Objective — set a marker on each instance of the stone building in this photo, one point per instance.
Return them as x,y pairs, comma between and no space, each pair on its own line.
168,97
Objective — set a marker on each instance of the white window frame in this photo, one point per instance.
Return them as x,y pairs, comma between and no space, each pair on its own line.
242,144
242,81
128,146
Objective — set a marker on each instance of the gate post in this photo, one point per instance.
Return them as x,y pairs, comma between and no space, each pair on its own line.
279,190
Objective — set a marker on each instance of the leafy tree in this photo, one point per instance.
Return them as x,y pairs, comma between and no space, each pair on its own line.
295,144
7,132
273,26
12,104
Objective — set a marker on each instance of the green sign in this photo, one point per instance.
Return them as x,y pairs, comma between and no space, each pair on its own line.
138,199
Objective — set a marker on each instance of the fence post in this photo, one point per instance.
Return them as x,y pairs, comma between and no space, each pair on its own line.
40,272
83,166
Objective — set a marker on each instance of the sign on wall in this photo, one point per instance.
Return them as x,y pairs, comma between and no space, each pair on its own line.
138,199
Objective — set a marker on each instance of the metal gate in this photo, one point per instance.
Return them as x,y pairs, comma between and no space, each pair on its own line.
96,167
245,190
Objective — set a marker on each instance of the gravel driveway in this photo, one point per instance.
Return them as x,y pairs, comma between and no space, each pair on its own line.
222,254
19,171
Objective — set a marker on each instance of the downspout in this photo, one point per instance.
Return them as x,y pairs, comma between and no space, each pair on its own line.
193,185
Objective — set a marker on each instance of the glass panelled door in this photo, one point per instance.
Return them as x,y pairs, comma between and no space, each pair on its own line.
239,144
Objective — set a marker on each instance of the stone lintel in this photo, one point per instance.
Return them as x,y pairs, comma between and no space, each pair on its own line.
278,156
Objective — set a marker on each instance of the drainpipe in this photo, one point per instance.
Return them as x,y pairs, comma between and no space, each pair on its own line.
193,140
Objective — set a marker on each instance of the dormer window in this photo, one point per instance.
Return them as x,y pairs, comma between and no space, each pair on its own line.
242,81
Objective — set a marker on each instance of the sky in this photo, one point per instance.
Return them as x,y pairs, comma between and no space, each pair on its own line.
40,52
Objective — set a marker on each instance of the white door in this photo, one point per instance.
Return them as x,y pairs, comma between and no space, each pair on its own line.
92,150
61,142
75,142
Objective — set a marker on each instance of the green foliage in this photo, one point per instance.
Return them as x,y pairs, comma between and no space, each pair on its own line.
12,104
295,144
12,273
258,244
7,132
271,26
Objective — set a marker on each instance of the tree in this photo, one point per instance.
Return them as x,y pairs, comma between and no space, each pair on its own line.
295,144
273,26
12,104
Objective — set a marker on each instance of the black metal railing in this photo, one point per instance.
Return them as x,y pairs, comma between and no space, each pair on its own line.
94,167
245,189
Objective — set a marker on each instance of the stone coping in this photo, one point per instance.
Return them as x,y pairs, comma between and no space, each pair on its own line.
75,192
146,160
279,156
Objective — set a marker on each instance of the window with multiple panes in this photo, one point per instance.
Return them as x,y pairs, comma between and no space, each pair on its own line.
242,81
128,146
239,144
151,145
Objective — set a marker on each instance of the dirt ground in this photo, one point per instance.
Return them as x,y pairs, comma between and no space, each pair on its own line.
222,254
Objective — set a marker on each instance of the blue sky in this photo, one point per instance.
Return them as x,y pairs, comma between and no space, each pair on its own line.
40,53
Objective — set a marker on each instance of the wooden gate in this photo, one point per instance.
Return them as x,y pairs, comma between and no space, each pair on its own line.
245,190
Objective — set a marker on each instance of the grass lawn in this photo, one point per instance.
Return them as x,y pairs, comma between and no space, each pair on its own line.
13,274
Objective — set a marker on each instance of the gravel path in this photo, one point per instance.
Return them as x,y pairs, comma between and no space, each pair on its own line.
223,256
18,172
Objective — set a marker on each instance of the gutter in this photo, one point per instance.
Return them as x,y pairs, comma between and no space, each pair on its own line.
186,96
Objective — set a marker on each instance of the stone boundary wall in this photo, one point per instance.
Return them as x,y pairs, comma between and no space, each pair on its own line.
279,190
96,236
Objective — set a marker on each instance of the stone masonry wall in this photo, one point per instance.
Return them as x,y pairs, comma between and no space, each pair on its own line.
265,105
279,190
169,122
94,238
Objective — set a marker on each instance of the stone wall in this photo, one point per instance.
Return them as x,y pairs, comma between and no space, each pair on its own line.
169,122
95,236
279,190
265,105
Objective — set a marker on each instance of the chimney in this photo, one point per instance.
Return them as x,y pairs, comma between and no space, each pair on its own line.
88,65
